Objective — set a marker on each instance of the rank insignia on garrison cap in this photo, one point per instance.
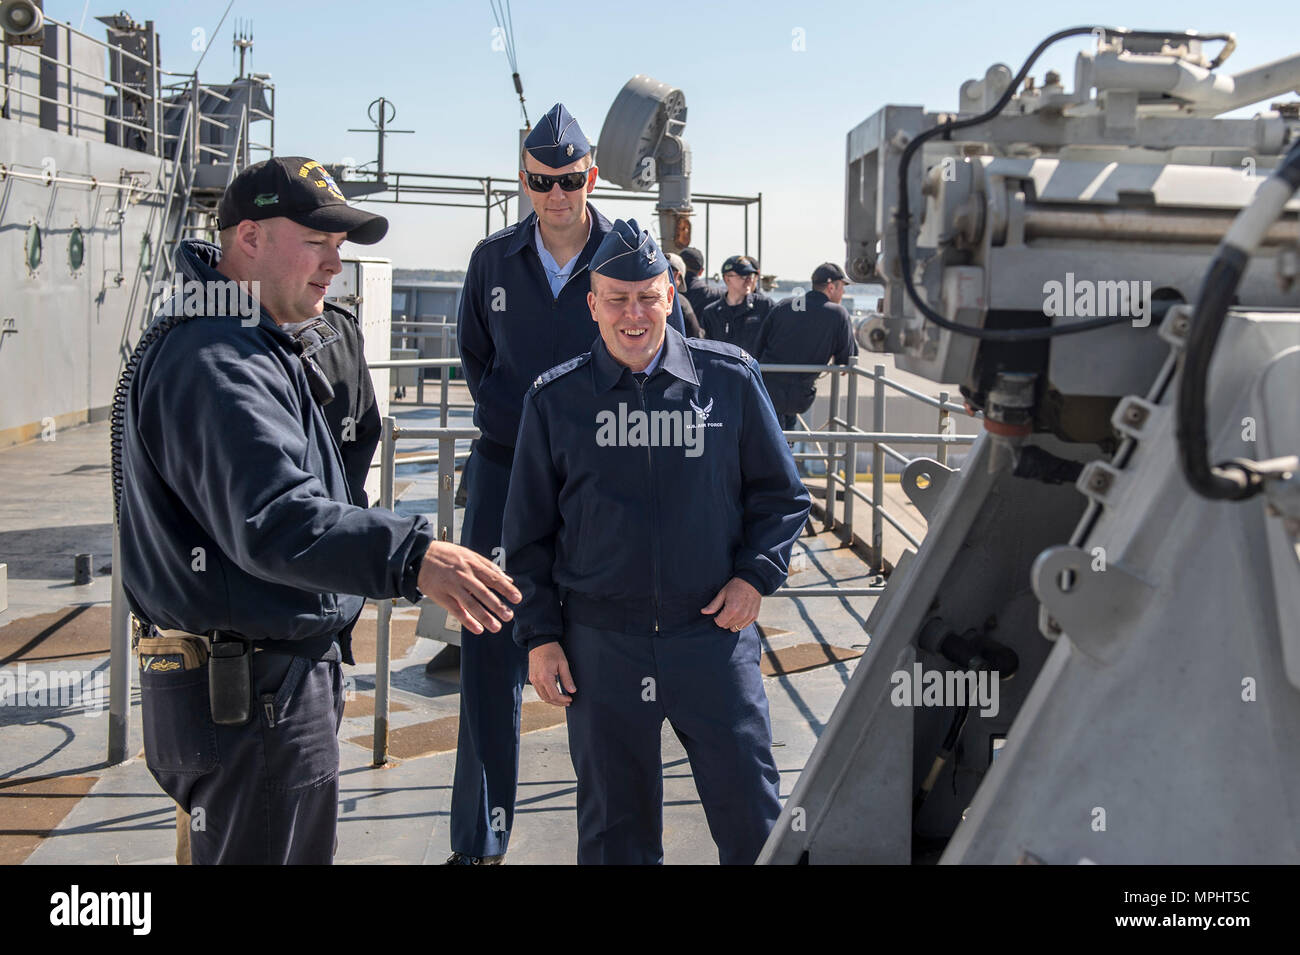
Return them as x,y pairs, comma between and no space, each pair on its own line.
628,253
557,139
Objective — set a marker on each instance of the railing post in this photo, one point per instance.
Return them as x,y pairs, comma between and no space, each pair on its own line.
446,488
383,626
119,670
446,378
830,452
850,454
941,448
878,475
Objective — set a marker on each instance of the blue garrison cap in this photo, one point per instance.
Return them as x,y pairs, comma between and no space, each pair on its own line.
557,139
629,253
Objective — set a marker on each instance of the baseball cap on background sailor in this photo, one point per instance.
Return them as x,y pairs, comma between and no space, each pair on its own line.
741,265
302,190
693,258
628,253
557,139
828,272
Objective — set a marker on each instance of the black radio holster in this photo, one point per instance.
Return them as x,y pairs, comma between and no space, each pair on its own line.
230,680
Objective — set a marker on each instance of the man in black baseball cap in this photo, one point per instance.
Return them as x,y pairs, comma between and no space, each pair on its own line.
241,449
806,329
738,316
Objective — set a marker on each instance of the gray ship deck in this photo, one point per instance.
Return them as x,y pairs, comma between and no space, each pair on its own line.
60,803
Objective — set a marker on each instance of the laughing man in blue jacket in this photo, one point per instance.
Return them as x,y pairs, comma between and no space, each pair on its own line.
652,505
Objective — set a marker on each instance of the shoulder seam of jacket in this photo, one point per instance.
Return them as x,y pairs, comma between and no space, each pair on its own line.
495,236
559,371
713,346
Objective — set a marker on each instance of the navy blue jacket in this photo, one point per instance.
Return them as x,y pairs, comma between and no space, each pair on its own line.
591,515
807,330
700,293
511,329
225,449
690,322
740,325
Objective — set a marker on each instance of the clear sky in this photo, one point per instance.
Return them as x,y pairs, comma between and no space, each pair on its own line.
764,115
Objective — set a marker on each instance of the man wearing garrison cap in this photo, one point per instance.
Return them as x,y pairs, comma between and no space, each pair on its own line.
523,309
653,503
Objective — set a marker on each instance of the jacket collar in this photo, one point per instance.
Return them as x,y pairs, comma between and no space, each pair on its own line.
525,230
676,361
744,305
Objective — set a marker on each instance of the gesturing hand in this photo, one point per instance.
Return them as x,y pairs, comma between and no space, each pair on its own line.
736,605
547,664
462,581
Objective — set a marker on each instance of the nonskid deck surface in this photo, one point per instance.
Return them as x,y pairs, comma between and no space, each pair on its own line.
59,802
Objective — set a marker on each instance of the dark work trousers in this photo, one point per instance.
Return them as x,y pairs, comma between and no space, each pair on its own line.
706,682
266,792
492,674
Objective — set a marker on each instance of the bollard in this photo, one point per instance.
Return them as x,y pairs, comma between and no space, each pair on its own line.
81,570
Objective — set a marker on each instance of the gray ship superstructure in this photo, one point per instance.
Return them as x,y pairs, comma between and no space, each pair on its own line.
106,161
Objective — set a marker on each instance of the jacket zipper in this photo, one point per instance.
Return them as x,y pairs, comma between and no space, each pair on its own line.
654,520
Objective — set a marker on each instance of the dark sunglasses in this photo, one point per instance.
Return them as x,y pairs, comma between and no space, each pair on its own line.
569,181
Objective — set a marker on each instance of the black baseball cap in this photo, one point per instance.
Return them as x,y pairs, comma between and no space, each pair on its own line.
693,258
299,189
828,272
741,265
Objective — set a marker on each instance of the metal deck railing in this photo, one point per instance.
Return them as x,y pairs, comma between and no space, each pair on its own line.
148,104
841,438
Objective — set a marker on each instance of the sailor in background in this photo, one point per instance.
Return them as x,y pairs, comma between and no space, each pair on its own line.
244,554
738,316
523,310
692,323
699,291
807,329
652,505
